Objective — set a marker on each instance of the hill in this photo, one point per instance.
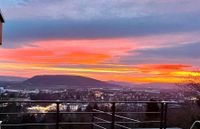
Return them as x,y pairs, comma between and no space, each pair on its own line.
64,81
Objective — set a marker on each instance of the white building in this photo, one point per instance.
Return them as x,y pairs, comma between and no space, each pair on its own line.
2,90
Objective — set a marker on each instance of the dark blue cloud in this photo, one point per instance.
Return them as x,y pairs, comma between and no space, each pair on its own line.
20,31
184,51
182,54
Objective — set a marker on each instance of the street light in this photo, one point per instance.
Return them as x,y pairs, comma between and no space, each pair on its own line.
1,27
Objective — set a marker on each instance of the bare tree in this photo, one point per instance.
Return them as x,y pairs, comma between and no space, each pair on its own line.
191,82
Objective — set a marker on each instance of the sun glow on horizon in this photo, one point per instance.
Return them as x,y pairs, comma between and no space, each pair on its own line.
143,43
128,73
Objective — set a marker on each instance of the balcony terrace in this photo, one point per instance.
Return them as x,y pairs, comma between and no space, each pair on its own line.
92,117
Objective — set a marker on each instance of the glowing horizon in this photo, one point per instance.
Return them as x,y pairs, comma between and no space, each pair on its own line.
149,45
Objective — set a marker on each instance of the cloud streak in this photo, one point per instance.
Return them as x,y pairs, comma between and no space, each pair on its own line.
32,30
68,51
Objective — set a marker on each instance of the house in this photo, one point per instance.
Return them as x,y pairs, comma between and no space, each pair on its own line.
1,27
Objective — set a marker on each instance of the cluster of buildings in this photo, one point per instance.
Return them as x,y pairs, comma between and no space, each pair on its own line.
98,95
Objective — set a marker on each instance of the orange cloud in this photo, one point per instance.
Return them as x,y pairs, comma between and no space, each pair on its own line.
186,73
167,67
131,78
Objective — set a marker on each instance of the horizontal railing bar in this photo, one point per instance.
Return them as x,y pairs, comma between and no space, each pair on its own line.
108,112
137,112
81,123
106,122
21,113
17,113
119,122
29,124
64,101
46,124
74,123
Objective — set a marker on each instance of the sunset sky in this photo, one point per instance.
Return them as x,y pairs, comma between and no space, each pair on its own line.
137,41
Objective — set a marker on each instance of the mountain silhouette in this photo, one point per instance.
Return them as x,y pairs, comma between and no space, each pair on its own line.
65,81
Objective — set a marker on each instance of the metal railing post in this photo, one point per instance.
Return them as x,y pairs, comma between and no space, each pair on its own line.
161,115
57,114
113,116
193,125
0,124
93,120
165,115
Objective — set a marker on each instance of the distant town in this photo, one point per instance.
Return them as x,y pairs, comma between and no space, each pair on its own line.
23,89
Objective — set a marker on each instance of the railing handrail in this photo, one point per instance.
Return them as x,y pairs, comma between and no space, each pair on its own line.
197,121
71,101
112,113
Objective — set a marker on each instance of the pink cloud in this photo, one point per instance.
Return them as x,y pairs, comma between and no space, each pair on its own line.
68,51
91,51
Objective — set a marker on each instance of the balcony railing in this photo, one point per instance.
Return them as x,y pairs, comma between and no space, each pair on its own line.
113,118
